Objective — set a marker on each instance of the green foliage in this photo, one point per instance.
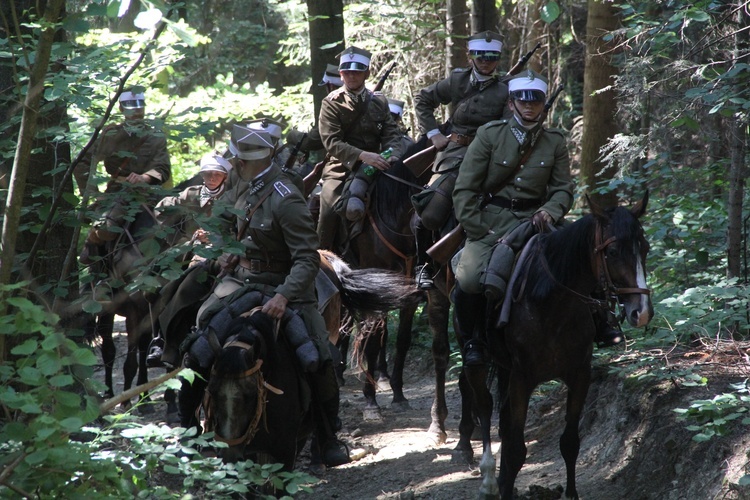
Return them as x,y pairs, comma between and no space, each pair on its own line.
714,417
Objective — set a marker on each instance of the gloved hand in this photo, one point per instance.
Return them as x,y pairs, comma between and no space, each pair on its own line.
540,220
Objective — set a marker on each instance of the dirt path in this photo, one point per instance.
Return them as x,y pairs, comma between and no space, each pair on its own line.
633,447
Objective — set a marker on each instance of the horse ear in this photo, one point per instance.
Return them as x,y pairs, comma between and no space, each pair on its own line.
640,208
213,341
596,210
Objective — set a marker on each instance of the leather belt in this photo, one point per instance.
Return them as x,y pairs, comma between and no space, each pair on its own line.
261,266
515,204
461,139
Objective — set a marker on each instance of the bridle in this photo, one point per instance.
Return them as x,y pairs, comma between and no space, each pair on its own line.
262,388
602,271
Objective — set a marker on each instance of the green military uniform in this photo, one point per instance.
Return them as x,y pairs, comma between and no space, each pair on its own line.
130,147
348,125
281,251
181,212
542,183
473,104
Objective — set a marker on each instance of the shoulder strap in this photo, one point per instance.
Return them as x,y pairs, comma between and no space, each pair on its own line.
249,215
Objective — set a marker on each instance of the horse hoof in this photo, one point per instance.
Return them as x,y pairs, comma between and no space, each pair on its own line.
400,406
317,470
384,384
372,414
463,457
437,435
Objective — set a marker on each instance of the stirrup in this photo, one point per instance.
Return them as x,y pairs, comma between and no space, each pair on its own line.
155,350
609,336
473,353
424,278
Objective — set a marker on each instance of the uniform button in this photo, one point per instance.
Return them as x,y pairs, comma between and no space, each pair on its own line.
518,188
522,166
518,178
541,163
505,162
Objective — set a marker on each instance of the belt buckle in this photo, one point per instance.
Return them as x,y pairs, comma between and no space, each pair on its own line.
515,204
254,266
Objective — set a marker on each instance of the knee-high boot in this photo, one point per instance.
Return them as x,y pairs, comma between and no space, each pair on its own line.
424,272
326,399
470,312
190,399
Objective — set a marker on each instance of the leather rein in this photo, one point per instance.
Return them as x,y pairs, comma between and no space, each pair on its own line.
262,388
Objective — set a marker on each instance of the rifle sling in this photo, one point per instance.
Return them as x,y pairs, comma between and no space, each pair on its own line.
520,163
249,215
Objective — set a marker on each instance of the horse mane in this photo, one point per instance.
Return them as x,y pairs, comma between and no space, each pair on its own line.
253,330
389,195
567,252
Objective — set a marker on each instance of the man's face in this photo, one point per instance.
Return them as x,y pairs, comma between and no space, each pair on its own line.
213,179
133,113
354,80
484,66
528,111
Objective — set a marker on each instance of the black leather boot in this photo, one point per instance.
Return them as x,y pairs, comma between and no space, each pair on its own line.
333,452
190,399
470,311
423,271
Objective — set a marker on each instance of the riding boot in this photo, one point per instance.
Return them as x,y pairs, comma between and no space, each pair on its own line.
608,331
191,397
155,351
470,311
326,394
423,270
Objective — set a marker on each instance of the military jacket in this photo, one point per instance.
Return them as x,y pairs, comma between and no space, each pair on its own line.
180,211
129,147
281,231
346,131
471,106
491,158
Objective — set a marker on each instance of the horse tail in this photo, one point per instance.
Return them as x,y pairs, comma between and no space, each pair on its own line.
371,291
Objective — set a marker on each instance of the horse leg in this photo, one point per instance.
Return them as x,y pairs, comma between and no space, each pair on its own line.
381,366
343,347
570,441
371,347
103,326
513,413
463,451
438,308
477,377
130,367
403,342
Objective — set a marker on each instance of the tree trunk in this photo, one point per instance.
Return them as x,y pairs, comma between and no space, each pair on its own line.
484,16
32,168
599,105
737,175
326,41
456,28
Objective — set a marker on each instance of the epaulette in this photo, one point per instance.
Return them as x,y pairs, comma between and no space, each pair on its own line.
496,123
336,93
460,70
378,93
282,188
557,131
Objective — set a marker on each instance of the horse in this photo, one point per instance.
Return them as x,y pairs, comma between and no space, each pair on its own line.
387,242
122,271
257,400
364,292
549,332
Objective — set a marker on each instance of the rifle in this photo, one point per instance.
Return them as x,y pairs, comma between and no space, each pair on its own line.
419,162
294,152
444,249
386,74
522,62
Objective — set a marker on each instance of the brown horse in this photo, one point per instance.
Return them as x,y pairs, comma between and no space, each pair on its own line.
550,332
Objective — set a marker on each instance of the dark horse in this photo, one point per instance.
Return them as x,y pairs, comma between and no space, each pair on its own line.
257,400
550,332
387,242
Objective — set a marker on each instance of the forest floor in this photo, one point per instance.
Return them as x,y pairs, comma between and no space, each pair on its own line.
633,445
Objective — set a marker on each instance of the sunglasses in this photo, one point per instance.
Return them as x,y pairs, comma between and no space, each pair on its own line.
484,55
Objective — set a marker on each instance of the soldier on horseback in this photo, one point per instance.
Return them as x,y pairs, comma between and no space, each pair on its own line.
135,156
281,261
356,126
476,95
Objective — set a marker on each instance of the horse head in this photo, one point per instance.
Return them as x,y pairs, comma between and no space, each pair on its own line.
621,249
236,393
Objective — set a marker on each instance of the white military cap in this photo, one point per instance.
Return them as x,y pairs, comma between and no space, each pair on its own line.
396,107
354,59
248,144
528,86
131,100
273,128
212,162
331,76
487,41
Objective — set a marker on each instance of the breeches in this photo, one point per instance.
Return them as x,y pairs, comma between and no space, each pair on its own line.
473,263
329,222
